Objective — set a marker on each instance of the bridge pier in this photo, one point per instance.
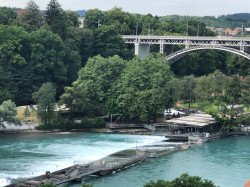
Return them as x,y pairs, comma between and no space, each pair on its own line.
142,50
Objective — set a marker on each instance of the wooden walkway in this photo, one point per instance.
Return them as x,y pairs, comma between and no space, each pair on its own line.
76,172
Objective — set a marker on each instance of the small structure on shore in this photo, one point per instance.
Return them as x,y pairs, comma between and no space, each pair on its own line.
191,123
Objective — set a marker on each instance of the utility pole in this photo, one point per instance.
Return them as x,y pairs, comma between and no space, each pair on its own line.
149,29
242,44
198,29
136,32
187,37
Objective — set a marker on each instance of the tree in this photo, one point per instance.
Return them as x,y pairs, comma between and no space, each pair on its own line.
12,39
13,57
71,18
7,16
233,90
187,85
108,42
72,48
92,18
183,181
32,17
245,92
8,113
146,88
55,19
47,52
91,92
45,99
26,112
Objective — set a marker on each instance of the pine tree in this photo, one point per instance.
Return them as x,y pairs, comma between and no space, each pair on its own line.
55,18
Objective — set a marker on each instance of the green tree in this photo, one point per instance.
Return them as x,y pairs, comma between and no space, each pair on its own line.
187,86
8,113
47,52
183,181
7,16
32,17
90,92
86,46
45,99
92,18
245,92
209,87
12,39
146,88
13,58
71,18
108,42
233,90
54,18
72,48
26,112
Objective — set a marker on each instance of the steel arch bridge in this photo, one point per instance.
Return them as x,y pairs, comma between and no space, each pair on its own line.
192,43
181,53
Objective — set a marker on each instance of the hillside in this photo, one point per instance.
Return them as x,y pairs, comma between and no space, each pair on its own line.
224,21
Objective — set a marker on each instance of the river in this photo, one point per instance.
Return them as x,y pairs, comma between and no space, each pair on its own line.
226,162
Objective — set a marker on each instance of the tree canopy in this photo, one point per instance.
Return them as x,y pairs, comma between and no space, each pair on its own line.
45,99
183,181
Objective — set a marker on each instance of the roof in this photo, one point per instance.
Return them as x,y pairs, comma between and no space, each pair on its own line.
195,120
19,11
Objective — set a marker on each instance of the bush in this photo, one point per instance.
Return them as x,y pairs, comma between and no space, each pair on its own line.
67,125
183,181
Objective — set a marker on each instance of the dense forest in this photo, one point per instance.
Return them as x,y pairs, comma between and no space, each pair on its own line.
36,48
224,21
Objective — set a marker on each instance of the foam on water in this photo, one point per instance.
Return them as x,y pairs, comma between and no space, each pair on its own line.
31,155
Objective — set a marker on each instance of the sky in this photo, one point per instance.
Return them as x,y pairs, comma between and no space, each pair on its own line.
154,7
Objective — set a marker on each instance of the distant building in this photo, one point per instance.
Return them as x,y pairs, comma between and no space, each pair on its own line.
219,31
247,30
81,19
231,32
19,12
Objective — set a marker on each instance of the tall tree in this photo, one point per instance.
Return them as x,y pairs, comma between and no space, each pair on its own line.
108,42
45,99
32,17
187,85
91,92
92,18
47,59
54,18
245,92
146,88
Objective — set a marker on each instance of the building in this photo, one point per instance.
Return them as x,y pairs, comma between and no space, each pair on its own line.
81,19
247,30
19,12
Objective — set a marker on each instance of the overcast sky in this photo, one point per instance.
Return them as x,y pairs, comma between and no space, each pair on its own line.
155,7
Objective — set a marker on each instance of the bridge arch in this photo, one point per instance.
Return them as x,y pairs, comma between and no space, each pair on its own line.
181,53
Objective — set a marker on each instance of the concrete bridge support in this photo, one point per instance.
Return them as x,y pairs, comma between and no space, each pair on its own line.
142,50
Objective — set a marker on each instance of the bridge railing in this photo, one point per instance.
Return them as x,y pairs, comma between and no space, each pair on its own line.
187,37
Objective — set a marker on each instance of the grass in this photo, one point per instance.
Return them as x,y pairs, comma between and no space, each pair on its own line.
192,105
20,112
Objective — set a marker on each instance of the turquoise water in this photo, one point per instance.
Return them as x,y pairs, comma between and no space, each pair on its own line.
226,162
27,155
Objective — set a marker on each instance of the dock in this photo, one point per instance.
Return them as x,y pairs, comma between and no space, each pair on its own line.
78,171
